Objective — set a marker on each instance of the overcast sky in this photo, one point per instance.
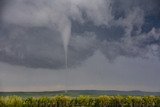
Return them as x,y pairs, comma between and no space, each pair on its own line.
111,45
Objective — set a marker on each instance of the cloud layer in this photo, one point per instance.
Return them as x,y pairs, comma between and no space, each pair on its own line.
31,31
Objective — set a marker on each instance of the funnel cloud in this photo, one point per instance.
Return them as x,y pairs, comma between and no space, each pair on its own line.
41,34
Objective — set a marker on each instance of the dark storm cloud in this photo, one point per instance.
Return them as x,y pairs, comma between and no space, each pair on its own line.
42,47
30,33
2,4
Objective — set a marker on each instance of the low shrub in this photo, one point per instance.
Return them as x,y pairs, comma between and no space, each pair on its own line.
81,101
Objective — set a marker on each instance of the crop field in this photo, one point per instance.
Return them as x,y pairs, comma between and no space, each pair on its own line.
81,101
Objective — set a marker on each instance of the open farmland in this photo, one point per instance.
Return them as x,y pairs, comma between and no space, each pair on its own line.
76,93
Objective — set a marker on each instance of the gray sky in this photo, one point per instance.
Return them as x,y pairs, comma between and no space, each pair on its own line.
112,44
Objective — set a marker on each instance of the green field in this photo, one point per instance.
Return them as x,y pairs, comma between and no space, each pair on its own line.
81,101
80,98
